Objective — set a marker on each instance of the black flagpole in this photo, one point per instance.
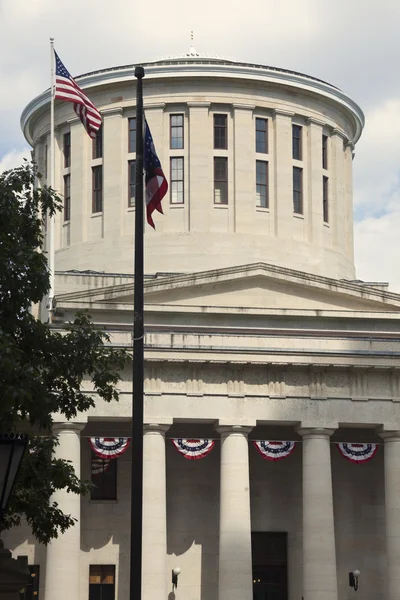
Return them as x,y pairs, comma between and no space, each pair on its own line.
138,361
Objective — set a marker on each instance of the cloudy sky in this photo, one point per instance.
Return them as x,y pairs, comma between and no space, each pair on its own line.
353,44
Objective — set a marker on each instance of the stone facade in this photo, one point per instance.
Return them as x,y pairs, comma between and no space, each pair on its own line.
255,330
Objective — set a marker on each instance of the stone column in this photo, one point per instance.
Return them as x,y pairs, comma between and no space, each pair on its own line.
392,510
319,556
62,580
154,552
235,566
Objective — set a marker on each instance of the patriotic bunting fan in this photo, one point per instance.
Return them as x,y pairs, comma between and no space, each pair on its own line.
357,453
193,449
109,447
274,450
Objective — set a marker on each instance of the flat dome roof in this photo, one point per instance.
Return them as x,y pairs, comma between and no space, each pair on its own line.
192,65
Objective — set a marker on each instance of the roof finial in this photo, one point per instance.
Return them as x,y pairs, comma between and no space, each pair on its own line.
192,51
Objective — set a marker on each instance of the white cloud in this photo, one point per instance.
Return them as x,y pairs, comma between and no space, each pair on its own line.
14,158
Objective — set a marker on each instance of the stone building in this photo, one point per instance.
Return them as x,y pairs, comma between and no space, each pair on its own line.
256,331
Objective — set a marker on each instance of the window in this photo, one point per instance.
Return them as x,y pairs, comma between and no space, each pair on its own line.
262,183
67,150
131,183
325,199
297,190
102,582
176,131
177,196
220,180
97,186
67,197
262,135
296,142
97,150
45,161
324,151
31,589
132,135
103,478
220,132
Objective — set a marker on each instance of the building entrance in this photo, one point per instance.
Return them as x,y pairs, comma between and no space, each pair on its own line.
269,555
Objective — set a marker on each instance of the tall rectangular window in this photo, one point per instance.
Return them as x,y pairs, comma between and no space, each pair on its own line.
103,478
325,198
45,161
220,132
177,181
97,189
220,180
262,183
262,135
176,132
324,151
297,190
297,131
132,135
102,582
31,589
131,183
67,150
67,197
97,149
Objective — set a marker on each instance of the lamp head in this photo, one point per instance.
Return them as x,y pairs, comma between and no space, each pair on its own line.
175,573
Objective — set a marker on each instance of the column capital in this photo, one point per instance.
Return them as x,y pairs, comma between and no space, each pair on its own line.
390,436
155,428
68,426
225,430
314,432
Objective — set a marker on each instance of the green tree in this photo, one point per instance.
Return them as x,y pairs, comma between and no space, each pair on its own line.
41,370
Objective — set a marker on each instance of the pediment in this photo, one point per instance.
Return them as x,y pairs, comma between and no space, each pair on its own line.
260,286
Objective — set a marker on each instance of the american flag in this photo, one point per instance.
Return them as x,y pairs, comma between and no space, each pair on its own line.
67,89
156,182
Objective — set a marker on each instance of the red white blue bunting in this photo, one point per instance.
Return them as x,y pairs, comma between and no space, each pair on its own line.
357,453
100,465
193,449
109,447
274,450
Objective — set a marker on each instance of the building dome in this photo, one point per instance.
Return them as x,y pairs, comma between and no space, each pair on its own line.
258,159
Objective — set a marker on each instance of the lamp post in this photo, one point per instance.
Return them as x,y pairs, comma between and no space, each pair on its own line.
12,449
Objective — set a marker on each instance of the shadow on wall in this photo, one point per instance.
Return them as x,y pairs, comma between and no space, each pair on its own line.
193,521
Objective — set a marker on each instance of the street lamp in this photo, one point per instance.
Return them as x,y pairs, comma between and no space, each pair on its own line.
12,449
353,579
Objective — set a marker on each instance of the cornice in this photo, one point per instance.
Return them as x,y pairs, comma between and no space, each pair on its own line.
202,70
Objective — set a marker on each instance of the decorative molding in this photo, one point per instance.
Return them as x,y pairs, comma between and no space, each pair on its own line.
194,382
109,112
317,383
281,112
314,121
395,385
198,104
152,379
276,383
238,106
235,383
359,384
154,105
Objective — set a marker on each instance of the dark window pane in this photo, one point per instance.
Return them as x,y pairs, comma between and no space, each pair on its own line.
296,142
325,199
220,132
262,183
261,135
220,180
67,197
102,582
97,189
298,190
324,152
67,150
132,135
176,131
97,149
177,179
131,182
104,478
31,589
